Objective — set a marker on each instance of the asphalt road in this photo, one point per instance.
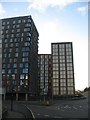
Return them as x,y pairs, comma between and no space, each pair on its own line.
62,109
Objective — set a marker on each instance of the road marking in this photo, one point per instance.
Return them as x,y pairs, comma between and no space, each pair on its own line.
46,115
30,111
38,114
62,110
80,106
74,107
57,117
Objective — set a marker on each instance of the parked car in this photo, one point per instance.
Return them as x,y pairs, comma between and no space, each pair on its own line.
79,97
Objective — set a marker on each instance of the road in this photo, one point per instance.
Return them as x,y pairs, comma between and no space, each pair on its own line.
62,109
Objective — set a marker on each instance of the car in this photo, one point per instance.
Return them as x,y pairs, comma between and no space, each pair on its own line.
79,98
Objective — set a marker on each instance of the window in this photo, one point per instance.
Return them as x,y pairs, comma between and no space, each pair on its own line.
12,31
24,59
17,44
21,65
14,83
6,31
5,55
28,34
24,21
26,77
13,22
11,40
15,70
0,51
17,49
13,26
10,60
8,27
55,76
28,39
12,35
18,30
55,65
55,61
22,76
8,66
15,59
62,84
26,65
15,40
3,23
10,50
17,35
3,71
4,60
70,84
55,53
9,55
69,68
9,71
19,21
26,44
6,45
69,76
26,29
16,54
26,82
55,46
15,65
11,45
25,54
6,40
29,20
3,65
27,25
25,70
7,76
13,76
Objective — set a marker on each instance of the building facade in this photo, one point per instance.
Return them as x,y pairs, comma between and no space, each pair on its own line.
19,56
45,74
62,69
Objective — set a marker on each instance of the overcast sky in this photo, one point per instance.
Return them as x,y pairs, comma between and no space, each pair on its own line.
57,21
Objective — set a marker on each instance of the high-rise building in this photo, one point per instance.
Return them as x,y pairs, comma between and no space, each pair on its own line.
45,74
62,69
19,56
24,71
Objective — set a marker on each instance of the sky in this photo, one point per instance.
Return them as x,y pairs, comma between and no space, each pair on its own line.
57,21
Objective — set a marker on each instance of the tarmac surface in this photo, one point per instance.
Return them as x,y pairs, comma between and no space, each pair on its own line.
14,114
60,109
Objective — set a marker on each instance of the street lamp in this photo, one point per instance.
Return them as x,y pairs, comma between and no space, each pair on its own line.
12,98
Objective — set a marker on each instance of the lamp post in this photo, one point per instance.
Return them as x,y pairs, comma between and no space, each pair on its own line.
12,98
44,94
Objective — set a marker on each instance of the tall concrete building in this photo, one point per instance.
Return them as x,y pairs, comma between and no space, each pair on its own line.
62,69
56,71
19,56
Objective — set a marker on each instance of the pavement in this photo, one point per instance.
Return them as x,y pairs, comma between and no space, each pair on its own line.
14,114
19,110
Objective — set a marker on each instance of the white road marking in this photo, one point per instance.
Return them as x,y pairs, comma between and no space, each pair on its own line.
38,114
80,106
46,115
57,117
74,107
